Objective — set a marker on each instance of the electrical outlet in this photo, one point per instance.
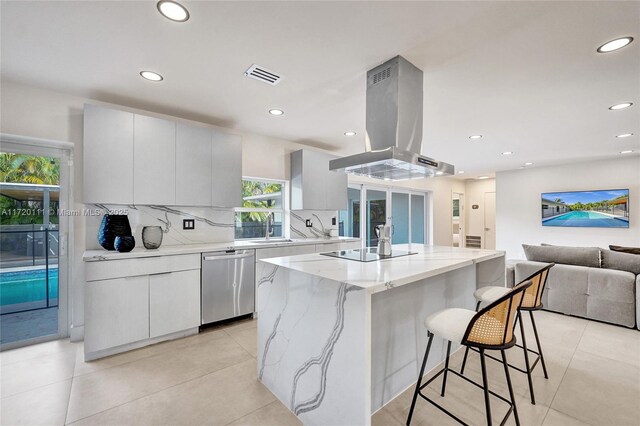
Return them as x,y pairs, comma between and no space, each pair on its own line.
309,223
188,224
333,221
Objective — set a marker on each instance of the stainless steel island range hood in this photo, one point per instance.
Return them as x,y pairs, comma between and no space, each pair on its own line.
393,141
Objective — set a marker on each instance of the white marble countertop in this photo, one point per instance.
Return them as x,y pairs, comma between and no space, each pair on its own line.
381,275
98,255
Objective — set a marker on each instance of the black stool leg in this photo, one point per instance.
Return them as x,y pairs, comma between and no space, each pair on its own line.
535,332
526,358
415,394
511,396
466,351
485,383
446,368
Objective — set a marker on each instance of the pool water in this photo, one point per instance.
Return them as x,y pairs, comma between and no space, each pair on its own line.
28,286
586,219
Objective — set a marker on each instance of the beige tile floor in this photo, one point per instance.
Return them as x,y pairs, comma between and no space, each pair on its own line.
210,379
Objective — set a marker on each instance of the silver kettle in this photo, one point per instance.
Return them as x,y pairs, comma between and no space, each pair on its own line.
383,232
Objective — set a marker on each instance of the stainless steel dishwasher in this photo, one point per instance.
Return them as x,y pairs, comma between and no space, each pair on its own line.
227,284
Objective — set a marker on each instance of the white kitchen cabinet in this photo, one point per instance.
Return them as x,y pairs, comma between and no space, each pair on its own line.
116,312
193,165
174,302
154,161
107,156
313,185
226,177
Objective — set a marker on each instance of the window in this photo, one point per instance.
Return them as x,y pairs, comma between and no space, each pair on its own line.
260,198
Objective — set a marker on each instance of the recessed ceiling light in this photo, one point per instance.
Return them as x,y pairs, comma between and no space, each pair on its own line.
461,172
172,10
528,164
507,153
152,76
621,106
276,112
475,137
483,177
624,135
616,44
349,133
629,151
439,173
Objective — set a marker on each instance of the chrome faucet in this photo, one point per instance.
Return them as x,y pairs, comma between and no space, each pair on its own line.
270,225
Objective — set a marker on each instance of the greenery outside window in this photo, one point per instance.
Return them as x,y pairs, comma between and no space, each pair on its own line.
260,198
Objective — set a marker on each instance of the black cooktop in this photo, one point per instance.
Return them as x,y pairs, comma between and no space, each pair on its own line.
366,255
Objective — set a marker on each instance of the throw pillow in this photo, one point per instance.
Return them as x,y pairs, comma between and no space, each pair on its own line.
632,250
621,261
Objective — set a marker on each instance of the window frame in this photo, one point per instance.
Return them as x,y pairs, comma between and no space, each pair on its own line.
284,211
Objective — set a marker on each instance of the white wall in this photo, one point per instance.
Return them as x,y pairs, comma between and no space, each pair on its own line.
518,204
474,194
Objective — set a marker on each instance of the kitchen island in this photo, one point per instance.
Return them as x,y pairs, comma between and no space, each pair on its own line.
338,339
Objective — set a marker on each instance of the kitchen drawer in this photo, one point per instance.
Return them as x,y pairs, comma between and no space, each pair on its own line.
108,269
284,251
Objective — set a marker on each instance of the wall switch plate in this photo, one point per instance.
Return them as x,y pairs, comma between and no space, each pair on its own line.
188,224
309,224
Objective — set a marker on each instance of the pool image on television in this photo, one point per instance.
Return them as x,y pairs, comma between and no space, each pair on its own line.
591,209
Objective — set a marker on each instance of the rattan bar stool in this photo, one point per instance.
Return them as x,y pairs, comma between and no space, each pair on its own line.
532,301
490,329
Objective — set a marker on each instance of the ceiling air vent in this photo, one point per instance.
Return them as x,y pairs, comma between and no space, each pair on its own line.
260,73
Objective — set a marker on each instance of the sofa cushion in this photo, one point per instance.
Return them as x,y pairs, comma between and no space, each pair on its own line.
621,261
579,256
631,250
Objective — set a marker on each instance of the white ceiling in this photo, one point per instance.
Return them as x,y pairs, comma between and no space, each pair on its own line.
523,74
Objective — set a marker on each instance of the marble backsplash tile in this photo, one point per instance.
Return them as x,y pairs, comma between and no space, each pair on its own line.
211,225
321,220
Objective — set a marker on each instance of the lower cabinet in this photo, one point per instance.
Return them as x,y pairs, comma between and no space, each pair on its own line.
132,303
174,302
116,312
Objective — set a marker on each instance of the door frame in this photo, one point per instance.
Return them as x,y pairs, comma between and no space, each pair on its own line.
484,219
63,151
462,218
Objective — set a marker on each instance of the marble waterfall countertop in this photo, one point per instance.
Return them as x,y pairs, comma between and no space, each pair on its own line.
385,274
98,255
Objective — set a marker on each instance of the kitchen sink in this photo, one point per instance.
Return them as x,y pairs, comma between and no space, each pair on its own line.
272,240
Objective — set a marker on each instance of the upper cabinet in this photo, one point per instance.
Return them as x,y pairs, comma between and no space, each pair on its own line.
136,159
108,156
154,161
313,185
193,166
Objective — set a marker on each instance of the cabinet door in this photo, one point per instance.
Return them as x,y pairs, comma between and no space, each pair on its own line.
226,179
108,156
154,150
336,191
314,180
116,312
193,166
174,302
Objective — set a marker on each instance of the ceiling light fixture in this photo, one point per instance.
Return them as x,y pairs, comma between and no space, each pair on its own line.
483,177
475,137
461,172
151,76
173,10
616,44
528,164
620,106
507,153
276,112
349,133
629,151
439,173
624,135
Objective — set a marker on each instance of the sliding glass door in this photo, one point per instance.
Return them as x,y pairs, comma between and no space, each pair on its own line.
404,210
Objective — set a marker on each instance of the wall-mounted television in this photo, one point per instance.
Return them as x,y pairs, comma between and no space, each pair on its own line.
607,208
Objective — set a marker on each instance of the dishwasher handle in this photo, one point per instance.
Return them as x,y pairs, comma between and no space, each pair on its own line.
227,256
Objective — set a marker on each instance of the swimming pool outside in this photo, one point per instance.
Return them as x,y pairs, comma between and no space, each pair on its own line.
26,288
588,219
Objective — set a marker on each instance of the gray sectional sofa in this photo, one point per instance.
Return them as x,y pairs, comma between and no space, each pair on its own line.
588,282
